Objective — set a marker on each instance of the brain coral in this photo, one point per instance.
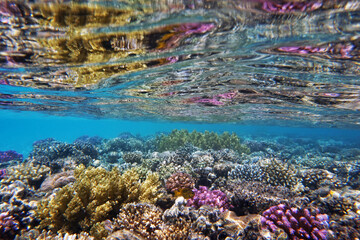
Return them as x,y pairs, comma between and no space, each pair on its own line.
94,197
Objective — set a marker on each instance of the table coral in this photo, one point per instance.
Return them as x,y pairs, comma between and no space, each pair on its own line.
94,197
296,222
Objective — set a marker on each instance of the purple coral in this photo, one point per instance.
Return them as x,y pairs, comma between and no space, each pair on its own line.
10,155
297,223
214,198
8,226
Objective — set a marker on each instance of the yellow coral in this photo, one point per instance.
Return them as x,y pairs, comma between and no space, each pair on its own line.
96,196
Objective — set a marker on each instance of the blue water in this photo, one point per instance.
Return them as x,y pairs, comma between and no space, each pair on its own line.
20,130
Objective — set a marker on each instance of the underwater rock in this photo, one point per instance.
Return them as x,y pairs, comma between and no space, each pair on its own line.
57,180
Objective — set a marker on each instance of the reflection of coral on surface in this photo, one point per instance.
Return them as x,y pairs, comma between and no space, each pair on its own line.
290,6
214,198
297,223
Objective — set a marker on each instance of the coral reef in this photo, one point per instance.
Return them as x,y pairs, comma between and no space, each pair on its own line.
94,197
2,173
278,173
248,172
61,156
10,155
145,220
179,181
297,223
206,140
35,234
213,198
316,178
249,197
132,157
30,174
8,226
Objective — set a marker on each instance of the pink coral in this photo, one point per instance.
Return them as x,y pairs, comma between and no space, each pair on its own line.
214,198
296,222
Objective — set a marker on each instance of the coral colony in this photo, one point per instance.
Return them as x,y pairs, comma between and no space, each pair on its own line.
10,155
297,223
214,198
181,185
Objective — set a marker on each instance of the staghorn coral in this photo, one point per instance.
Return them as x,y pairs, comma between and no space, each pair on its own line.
278,173
94,197
214,198
297,223
28,173
179,181
206,140
145,221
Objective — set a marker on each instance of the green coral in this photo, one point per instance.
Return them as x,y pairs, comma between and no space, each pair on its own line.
96,195
206,140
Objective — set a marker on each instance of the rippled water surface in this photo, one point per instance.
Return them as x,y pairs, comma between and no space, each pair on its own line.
215,61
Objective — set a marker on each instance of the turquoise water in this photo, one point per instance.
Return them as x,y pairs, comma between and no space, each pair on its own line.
92,94
20,130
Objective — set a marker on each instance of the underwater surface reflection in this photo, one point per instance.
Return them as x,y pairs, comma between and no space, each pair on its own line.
231,61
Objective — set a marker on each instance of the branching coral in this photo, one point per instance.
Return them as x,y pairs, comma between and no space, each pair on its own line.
206,140
145,220
94,197
297,223
27,173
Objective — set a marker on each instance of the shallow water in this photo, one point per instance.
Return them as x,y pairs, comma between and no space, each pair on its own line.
104,83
